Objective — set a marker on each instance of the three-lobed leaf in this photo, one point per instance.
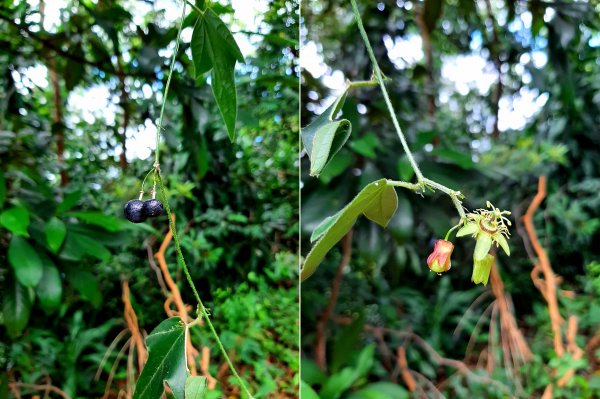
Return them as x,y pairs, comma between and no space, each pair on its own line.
324,137
213,47
166,361
376,201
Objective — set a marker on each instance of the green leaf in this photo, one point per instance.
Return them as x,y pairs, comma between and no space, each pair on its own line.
218,30
324,137
25,261
223,87
78,245
223,52
365,145
405,170
380,390
323,227
482,247
166,361
306,392
195,387
16,308
200,54
68,202
341,225
16,220
86,284
383,208
49,290
55,233
107,222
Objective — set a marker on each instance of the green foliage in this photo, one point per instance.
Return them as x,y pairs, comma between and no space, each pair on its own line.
233,202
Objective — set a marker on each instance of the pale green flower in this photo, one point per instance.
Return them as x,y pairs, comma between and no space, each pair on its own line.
487,227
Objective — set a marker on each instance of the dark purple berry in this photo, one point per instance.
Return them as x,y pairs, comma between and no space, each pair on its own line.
153,208
134,211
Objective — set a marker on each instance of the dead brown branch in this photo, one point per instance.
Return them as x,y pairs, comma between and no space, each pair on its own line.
548,287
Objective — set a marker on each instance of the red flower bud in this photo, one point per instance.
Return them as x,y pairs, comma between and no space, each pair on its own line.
439,260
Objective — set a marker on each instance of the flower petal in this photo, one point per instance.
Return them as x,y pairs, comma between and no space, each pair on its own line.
481,270
503,243
484,242
467,229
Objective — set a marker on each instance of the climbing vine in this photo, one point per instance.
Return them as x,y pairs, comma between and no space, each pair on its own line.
378,201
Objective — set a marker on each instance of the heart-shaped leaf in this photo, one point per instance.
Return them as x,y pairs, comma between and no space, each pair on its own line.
374,200
166,361
324,137
383,208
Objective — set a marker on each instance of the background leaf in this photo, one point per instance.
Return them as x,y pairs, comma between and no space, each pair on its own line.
16,307
16,220
55,233
49,289
25,262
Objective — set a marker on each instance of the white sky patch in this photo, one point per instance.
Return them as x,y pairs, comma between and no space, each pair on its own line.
91,104
312,60
468,72
404,52
517,110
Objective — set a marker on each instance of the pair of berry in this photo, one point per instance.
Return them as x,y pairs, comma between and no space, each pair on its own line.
137,211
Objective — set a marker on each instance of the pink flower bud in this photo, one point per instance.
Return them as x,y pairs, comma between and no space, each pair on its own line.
439,260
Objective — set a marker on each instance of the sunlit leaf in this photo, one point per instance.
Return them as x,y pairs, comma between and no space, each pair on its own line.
16,220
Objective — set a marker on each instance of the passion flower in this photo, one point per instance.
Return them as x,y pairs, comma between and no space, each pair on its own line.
439,260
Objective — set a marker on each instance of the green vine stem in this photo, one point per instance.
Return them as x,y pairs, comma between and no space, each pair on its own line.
201,310
422,182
